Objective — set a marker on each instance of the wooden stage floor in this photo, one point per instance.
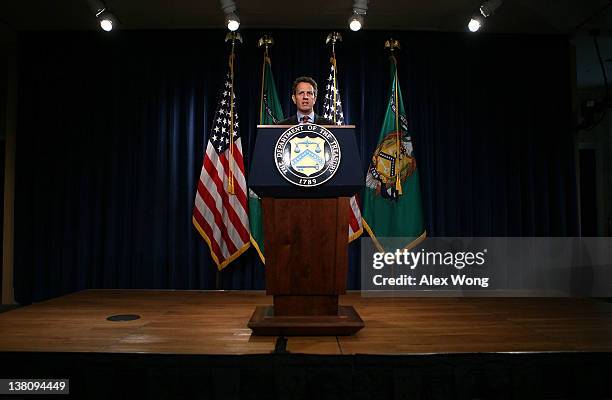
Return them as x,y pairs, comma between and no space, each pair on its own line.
197,322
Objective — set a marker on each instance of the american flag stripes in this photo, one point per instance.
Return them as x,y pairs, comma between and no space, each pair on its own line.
332,109
220,212
355,223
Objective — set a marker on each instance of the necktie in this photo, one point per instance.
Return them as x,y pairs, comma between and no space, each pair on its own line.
305,119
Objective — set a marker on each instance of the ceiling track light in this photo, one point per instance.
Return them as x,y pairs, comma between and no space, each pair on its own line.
355,22
107,20
475,23
487,9
360,8
232,21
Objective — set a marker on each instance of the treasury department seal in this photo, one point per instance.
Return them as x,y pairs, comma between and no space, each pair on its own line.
307,155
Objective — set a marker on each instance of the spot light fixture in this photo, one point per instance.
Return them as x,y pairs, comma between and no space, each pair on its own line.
107,20
487,9
232,21
475,23
360,8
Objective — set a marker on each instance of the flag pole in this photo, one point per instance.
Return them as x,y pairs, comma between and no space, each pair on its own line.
392,44
332,38
233,36
266,41
398,183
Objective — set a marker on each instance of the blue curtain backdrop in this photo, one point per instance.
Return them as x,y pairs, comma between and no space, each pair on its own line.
112,129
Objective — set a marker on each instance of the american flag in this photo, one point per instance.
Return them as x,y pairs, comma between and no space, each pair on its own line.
332,109
332,105
220,212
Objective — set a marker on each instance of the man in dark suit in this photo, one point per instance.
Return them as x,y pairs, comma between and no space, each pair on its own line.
304,97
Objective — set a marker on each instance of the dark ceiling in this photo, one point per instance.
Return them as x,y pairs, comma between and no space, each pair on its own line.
573,17
514,16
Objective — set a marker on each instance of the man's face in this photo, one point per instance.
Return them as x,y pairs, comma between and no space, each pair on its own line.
304,97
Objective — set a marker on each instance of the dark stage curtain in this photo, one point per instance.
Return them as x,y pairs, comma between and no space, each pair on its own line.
112,128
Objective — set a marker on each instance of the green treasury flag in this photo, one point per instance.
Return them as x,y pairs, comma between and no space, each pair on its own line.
392,197
270,112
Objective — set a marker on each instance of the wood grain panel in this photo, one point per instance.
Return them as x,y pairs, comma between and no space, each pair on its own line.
304,255
198,322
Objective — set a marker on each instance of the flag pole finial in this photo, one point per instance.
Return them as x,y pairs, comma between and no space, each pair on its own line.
265,41
392,45
234,37
332,38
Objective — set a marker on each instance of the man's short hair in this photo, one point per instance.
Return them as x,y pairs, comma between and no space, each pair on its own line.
306,79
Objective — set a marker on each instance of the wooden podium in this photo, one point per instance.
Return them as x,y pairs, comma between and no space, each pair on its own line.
306,244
